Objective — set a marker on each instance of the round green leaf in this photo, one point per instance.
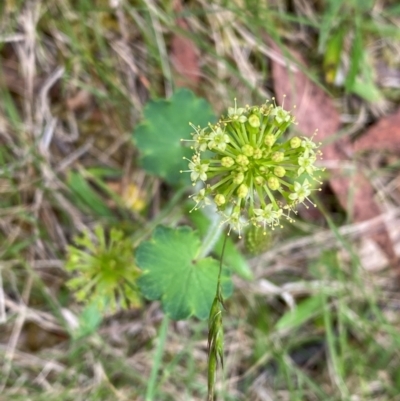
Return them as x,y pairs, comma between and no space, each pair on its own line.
172,273
158,137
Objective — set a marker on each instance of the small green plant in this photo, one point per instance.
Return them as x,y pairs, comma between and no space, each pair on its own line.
244,165
253,175
105,270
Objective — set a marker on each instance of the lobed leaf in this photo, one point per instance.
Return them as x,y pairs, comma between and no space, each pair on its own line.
158,137
172,273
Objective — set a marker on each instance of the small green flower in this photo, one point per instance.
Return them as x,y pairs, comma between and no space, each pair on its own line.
201,199
200,138
236,222
308,144
236,114
306,163
218,139
197,169
253,171
267,216
301,191
281,115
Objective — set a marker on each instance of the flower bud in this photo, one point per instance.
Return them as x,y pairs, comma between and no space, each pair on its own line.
295,142
242,191
269,140
238,178
227,161
273,183
258,180
248,150
254,121
257,153
277,157
219,199
279,171
242,160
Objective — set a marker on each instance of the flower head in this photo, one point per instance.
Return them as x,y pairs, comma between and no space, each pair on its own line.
253,173
105,270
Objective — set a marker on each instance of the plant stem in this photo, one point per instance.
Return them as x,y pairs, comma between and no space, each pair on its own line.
220,266
212,236
162,336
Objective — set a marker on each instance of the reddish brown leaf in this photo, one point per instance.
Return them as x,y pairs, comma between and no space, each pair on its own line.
384,135
315,110
184,55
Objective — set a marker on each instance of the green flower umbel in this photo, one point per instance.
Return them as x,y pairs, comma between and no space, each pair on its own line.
105,270
249,169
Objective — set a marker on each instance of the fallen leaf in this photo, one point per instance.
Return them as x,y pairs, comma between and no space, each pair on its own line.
315,110
313,107
384,135
184,55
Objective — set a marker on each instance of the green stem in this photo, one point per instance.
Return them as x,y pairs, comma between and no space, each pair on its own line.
220,268
222,181
162,336
212,236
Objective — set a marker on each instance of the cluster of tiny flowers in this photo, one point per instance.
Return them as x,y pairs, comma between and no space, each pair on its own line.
249,169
